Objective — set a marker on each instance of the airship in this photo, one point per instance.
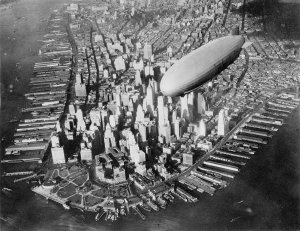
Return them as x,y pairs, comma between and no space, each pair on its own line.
201,65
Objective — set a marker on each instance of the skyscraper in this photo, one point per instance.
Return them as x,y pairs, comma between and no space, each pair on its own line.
86,154
202,128
143,132
147,51
138,80
150,99
177,128
80,122
58,155
140,115
201,104
223,127
109,138
184,106
188,158
95,116
160,108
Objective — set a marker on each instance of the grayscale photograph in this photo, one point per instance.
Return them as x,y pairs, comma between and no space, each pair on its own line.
149,115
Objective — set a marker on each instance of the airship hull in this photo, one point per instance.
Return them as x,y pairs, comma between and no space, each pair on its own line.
201,65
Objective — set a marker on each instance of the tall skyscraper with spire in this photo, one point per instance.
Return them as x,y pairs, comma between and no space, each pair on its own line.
201,104
223,125
184,106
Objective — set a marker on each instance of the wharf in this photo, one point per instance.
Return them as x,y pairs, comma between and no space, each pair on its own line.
179,196
18,173
25,178
184,193
221,166
250,138
34,94
278,114
43,108
279,110
213,171
45,192
40,118
27,147
199,183
35,127
294,104
253,132
261,127
37,138
226,160
282,106
247,144
228,153
22,124
142,216
210,178
271,118
33,134
187,184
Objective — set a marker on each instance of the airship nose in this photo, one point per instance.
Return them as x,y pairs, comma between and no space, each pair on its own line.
166,86
162,86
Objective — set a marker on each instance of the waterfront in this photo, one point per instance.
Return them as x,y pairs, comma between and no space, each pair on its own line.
251,201
263,196
22,26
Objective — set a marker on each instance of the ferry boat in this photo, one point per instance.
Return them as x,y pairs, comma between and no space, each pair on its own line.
107,215
99,215
123,211
171,196
161,202
146,207
66,206
168,198
152,205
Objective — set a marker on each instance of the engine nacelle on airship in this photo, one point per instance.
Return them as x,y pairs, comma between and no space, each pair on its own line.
201,65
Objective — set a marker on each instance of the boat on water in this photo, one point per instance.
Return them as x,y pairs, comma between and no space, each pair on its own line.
180,196
167,198
99,215
8,192
66,206
145,207
170,195
161,202
123,211
152,205
107,215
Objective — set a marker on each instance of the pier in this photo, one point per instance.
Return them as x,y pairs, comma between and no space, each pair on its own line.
226,160
227,153
250,138
142,216
259,126
222,166
213,171
253,132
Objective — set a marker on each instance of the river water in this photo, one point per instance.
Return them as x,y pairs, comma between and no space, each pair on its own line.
263,196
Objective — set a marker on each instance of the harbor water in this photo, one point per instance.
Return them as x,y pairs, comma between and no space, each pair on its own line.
263,195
